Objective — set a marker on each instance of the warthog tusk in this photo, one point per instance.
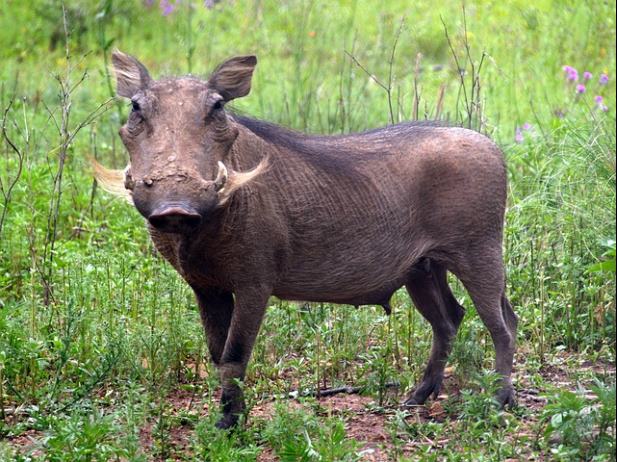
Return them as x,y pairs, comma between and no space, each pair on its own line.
238,179
221,177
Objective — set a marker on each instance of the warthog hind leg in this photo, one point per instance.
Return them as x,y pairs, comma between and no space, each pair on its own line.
483,277
432,296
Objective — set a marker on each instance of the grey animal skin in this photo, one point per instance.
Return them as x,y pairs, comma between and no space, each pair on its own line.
244,209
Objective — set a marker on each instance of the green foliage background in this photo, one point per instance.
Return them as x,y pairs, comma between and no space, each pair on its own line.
97,332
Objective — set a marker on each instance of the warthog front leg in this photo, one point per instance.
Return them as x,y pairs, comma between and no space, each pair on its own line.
245,322
216,308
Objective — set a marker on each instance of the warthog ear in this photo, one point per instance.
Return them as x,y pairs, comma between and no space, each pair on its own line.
232,79
131,75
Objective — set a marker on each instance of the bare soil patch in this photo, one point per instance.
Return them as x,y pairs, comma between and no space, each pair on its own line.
365,422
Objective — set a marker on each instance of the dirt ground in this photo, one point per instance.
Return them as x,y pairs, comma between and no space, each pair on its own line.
363,421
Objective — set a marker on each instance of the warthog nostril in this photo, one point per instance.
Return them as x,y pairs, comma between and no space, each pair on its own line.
174,219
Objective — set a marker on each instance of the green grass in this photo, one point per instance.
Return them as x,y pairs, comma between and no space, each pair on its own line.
102,356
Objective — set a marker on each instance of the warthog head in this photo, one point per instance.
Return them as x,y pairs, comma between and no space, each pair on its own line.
179,139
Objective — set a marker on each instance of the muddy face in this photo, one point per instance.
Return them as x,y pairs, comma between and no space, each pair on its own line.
178,137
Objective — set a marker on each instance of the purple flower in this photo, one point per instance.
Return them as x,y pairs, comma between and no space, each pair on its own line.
167,7
518,136
603,79
571,73
527,126
587,75
599,100
580,88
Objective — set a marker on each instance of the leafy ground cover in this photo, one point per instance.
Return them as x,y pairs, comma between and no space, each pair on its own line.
102,356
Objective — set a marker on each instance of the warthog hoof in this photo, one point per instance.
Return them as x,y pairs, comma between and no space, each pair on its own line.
506,397
227,421
410,402
423,391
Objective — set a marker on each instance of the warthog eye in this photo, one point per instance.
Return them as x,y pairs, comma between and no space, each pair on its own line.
214,107
217,105
134,123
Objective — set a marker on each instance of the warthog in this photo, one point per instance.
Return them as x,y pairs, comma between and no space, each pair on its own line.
244,209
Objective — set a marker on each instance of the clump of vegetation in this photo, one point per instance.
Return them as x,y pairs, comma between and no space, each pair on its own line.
298,436
581,426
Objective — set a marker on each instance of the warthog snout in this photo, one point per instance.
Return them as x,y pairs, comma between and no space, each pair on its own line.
170,218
